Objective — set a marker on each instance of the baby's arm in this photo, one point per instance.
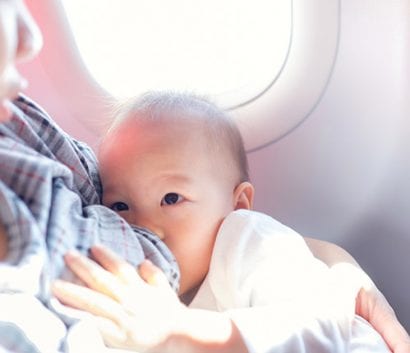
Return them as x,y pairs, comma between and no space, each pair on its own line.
370,302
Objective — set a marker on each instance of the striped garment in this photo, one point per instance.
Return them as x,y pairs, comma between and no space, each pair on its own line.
50,196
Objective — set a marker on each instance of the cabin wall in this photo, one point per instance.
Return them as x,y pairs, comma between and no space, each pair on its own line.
344,174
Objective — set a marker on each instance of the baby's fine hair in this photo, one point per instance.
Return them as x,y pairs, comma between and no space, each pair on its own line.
223,133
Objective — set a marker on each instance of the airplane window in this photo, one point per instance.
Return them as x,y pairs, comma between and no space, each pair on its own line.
229,49
269,61
298,89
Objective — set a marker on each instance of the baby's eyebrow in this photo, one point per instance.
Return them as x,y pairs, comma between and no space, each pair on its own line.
177,178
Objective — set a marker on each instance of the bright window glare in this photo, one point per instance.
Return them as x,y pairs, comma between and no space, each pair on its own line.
229,49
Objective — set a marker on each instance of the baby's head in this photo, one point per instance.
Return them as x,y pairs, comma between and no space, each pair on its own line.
183,112
175,164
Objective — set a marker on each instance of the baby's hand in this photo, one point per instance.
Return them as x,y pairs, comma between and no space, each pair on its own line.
132,311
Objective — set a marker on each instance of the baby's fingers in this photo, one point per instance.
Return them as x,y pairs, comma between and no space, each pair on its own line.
115,264
86,299
94,276
153,275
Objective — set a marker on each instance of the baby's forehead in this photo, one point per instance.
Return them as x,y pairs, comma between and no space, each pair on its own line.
182,130
167,126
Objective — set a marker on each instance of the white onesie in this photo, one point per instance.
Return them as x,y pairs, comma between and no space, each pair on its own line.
282,298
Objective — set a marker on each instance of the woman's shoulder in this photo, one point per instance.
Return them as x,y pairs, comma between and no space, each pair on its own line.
32,128
29,107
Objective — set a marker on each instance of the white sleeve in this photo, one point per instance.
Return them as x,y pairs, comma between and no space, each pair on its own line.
258,261
265,330
264,275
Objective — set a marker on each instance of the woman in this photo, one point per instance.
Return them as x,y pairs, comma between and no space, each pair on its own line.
147,324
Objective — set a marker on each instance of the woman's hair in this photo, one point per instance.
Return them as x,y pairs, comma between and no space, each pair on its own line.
222,132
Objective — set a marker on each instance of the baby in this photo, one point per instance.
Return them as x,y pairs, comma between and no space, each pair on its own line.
176,165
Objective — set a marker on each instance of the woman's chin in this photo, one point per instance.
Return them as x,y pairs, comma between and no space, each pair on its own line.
10,87
5,110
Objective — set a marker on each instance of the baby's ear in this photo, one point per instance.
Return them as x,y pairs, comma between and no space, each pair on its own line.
243,196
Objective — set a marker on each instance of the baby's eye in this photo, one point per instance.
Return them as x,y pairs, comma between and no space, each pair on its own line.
119,206
171,199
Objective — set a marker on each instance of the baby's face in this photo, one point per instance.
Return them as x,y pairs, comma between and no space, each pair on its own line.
162,176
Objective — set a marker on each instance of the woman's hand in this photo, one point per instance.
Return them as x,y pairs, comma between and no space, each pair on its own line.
373,306
370,302
140,311
131,312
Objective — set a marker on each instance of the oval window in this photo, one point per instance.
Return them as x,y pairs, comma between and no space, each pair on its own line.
225,48
267,60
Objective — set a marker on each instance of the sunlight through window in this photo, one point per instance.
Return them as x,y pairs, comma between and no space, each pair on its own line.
230,49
